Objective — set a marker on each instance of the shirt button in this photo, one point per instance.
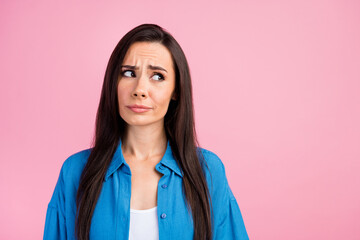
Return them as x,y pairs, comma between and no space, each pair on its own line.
163,215
164,186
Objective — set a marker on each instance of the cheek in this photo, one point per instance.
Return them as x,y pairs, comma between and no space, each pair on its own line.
122,93
161,99
121,101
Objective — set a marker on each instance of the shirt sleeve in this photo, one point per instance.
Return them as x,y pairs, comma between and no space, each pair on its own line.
233,225
55,228
230,224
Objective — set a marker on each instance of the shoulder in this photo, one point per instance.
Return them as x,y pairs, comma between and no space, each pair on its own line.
69,178
213,168
215,174
73,165
212,162
76,160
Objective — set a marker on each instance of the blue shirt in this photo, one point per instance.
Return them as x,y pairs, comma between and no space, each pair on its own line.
111,217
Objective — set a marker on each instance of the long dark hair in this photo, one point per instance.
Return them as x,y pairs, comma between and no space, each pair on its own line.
179,127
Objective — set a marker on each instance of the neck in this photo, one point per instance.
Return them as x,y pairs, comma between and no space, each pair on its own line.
144,142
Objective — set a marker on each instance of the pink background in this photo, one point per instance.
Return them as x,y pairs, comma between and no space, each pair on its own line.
276,94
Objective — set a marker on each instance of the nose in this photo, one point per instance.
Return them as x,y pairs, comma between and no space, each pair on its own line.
140,90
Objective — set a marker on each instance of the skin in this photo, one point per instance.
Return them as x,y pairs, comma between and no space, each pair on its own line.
145,141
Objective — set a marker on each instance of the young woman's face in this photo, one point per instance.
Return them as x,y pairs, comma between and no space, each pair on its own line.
147,77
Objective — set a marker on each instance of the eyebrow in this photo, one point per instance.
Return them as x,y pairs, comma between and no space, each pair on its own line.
149,66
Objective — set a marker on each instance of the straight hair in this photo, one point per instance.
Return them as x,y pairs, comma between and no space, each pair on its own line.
179,127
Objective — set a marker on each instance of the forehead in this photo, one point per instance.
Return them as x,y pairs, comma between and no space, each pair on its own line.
154,52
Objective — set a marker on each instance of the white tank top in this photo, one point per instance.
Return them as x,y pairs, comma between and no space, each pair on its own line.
144,224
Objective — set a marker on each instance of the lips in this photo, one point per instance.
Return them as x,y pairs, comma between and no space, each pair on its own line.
139,106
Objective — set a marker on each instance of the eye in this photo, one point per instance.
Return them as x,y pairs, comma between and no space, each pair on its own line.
160,77
128,73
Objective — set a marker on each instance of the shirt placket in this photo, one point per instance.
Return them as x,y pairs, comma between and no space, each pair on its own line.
123,203
163,213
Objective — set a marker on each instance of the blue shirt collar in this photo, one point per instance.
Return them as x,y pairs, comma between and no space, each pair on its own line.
168,160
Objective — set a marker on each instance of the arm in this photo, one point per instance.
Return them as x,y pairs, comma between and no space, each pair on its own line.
232,224
227,218
55,228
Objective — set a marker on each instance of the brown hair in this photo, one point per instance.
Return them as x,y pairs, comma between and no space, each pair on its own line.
179,127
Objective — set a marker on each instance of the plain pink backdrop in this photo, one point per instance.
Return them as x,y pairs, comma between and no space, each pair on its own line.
276,93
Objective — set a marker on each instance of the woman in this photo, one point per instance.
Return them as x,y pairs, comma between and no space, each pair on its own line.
145,177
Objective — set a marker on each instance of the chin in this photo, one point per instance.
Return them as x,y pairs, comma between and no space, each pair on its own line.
133,122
